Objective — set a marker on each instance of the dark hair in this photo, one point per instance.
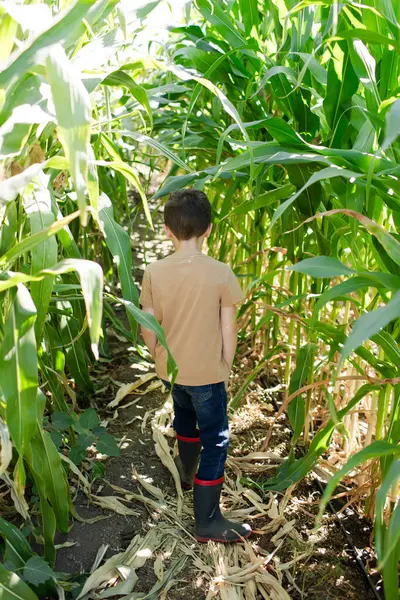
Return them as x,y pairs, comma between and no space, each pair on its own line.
187,214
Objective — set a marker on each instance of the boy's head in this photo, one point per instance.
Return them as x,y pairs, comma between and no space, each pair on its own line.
187,214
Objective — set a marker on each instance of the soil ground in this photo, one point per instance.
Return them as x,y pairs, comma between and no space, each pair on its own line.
321,566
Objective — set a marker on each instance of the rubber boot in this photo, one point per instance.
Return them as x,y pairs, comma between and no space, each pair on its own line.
210,524
187,459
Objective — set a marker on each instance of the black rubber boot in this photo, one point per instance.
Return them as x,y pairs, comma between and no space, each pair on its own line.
210,524
187,460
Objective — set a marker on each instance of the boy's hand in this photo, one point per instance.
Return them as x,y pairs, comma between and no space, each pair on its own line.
229,334
149,337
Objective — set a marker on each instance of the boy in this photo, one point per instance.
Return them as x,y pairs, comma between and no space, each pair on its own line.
193,297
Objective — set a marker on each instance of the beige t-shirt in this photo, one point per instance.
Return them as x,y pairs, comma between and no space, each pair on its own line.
186,292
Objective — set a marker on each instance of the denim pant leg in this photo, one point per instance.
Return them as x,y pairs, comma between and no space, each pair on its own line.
184,413
210,403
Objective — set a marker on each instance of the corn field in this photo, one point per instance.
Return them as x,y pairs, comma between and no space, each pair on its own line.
287,114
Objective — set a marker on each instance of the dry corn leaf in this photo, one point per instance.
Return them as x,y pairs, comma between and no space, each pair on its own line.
123,588
5,447
256,456
290,563
107,571
164,453
250,590
272,585
154,385
167,580
128,388
99,557
21,505
159,567
113,503
283,531
85,482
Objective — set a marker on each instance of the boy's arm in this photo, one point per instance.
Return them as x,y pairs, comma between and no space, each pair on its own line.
149,337
229,333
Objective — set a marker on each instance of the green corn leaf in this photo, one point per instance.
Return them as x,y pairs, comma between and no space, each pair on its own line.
13,588
217,16
370,324
28,56
43,458
18,369
174,183
156,144
149,322
321,266
327,173
128,172
388,345
296,408
9,228
15,131
383,280
367,36
146,8
392,477
17,550
28,243
283,133
75,353
249,12
392,125
8,29
38,208
120,78
118,242
317,70
264,200
74,113
47,514
91,277
375,450
346,287
391,556
342,84
388,241
292,473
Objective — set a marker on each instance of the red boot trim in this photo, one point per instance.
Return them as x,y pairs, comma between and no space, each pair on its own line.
208,483
193,440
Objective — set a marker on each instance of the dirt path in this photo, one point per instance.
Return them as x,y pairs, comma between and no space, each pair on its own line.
284,559
141,545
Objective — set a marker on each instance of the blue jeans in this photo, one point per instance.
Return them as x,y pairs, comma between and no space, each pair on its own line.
204,406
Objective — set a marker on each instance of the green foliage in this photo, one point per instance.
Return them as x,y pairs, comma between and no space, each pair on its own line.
288,116
54,169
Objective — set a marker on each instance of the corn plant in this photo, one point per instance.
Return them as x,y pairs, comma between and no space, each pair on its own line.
58,232
288,115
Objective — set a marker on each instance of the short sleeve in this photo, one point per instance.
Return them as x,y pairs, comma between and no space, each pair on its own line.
146,296
231,292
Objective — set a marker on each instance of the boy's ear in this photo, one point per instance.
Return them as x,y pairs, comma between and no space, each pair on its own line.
208,231
168,232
